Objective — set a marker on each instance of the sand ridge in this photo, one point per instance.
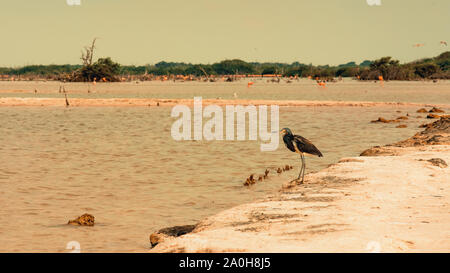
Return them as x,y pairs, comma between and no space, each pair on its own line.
129,102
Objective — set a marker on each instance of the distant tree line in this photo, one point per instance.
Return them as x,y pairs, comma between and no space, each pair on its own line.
105,68
390,69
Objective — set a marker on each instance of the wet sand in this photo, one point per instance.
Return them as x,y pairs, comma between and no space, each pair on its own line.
132,102
396,202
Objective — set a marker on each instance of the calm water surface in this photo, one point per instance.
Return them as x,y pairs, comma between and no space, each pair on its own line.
346,90
122,166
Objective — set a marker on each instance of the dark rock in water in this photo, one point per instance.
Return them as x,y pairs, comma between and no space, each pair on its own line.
380,119
401,126
250,180
279,170
83,220
383,120
438,162
402,117
422,110
436,110
165,233
266,173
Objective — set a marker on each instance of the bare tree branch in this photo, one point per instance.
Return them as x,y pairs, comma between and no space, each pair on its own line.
88,54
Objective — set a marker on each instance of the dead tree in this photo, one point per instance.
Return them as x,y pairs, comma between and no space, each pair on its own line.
88,54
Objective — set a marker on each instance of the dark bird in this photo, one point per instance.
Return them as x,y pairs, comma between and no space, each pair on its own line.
300,145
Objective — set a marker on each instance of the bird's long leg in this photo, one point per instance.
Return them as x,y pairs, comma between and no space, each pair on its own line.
301,168
304,167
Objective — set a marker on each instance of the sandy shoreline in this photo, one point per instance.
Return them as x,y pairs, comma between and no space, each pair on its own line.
127,102
395,202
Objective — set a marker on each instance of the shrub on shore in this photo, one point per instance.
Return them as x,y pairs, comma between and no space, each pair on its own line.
103,69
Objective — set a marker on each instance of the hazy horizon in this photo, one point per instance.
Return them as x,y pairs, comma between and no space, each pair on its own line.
199,31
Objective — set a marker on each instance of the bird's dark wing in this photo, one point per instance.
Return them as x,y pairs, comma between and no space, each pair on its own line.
288,141
306,146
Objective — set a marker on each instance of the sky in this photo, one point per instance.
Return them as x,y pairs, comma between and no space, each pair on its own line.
139,32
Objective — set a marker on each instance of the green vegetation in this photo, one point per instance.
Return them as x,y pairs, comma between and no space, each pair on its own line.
104,68
430,68
40,70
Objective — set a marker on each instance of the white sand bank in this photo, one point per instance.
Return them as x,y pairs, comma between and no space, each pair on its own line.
16,101
363,204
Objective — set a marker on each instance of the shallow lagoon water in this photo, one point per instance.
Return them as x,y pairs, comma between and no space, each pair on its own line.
122,166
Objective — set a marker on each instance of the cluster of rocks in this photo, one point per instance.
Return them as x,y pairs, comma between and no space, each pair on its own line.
399,119
431,115
432,112
252,180
436,133
383,120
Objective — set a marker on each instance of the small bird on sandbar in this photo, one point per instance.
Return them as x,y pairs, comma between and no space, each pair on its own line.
300,145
